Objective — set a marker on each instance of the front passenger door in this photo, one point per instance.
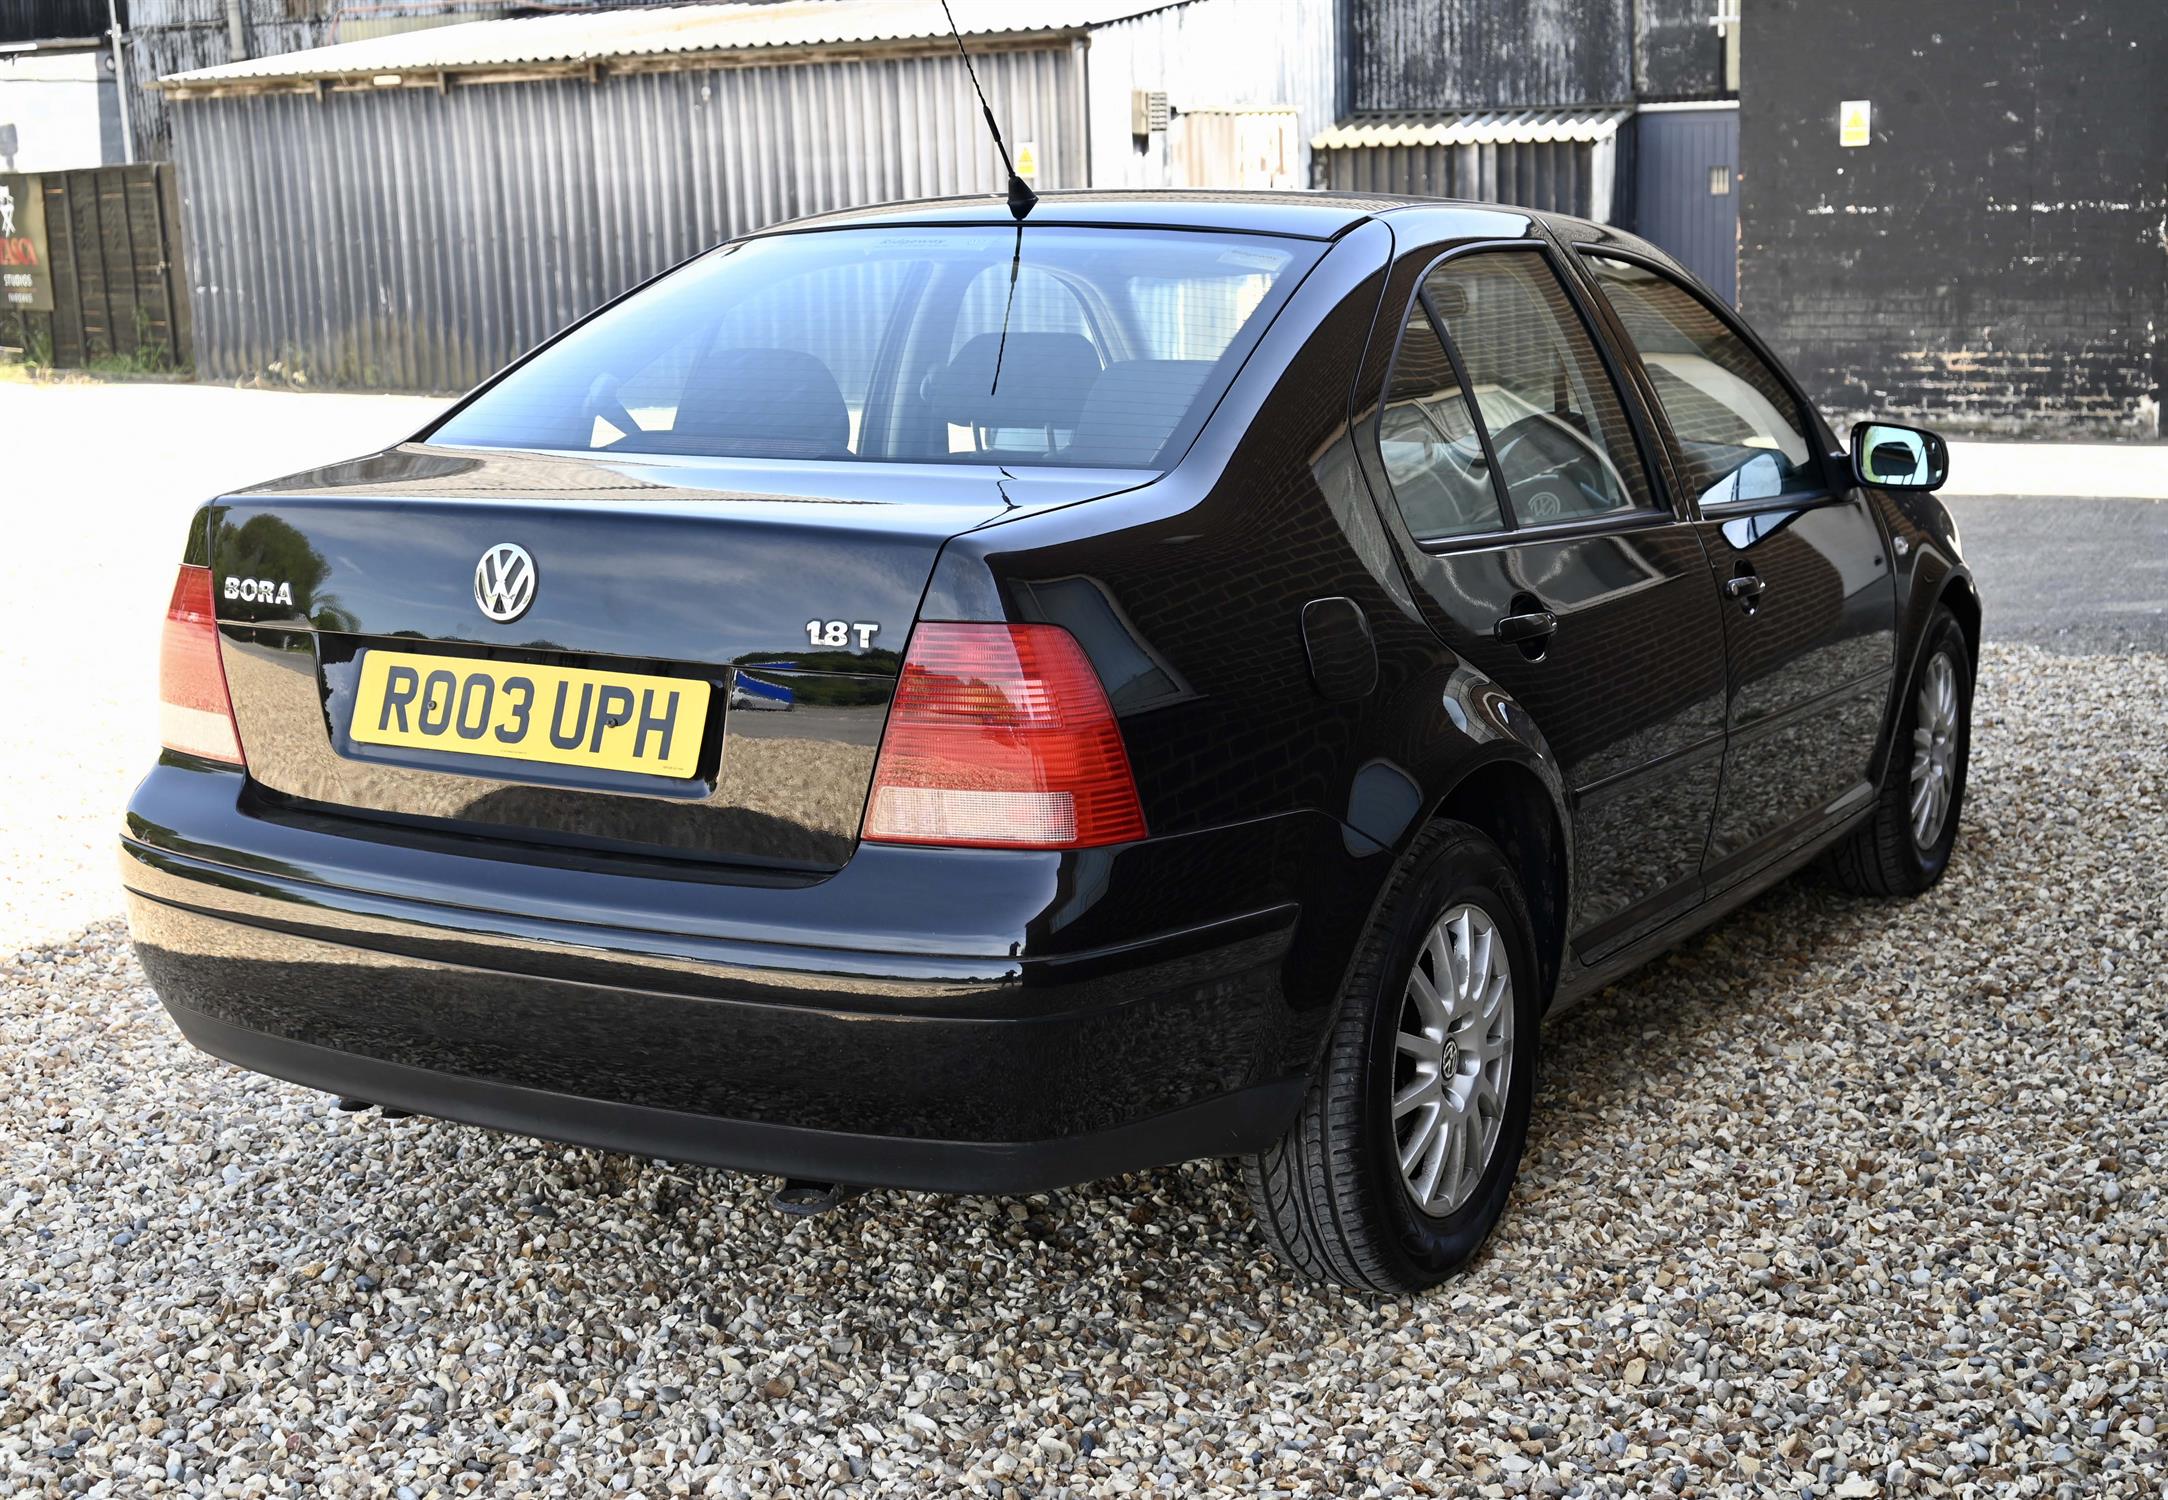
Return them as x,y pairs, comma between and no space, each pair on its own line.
1808,603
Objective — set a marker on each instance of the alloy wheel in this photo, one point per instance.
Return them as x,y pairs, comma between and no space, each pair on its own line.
1934,750
1453,1059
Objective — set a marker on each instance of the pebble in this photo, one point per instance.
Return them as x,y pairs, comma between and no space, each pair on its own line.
1844,1198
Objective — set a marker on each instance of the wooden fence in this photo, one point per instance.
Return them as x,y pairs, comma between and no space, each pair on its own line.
113,245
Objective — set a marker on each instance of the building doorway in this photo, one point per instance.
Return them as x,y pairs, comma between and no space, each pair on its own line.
1687,187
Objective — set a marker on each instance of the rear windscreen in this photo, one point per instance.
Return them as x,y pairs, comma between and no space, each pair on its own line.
1059,345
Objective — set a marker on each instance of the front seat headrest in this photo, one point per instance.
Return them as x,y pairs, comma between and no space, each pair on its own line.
762,403
1044,380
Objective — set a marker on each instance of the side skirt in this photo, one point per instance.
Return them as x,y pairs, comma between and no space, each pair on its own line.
1582,983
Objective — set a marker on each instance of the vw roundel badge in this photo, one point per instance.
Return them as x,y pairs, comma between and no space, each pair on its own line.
504,582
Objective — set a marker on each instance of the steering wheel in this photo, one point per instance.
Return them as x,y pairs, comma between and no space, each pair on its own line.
1552,470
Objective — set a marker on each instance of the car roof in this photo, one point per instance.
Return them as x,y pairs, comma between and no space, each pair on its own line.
1299,215
1313,215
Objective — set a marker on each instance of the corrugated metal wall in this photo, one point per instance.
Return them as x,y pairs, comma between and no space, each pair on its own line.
176,36
416,240
45,20
1209,55
1420,56
1677,53
1558,176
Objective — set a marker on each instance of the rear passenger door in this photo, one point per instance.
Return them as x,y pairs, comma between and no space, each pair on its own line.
1546,559
1809,608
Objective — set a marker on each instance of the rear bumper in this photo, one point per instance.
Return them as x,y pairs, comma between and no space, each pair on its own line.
1242,1121
730,1026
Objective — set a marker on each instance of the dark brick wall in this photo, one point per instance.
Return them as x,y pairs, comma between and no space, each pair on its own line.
1996,260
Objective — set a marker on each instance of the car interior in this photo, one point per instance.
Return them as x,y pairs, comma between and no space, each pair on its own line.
1057,346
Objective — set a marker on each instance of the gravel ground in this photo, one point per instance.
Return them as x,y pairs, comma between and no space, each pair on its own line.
1844,1199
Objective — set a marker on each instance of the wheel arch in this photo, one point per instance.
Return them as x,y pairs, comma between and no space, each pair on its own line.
1963,600
1514,806
1935,581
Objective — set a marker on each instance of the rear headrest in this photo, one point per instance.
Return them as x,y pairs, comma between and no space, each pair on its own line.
1134,406
1044,379
762,403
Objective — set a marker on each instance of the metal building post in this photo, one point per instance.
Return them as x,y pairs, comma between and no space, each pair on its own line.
120,81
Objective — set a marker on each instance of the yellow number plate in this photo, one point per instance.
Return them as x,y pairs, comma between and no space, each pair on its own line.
608,721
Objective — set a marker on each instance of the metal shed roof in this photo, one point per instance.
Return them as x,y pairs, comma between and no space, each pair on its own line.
571,42
1482,128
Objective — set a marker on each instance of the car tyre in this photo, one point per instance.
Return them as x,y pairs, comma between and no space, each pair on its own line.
1902,849
1333,1197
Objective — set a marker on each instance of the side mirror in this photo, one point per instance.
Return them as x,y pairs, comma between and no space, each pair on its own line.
1889,457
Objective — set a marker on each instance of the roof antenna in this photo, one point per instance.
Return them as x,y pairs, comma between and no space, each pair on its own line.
1016,264
1021,197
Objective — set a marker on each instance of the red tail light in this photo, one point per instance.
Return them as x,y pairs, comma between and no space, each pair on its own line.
195,713
1001,736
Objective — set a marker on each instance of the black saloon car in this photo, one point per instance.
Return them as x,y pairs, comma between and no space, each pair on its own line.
911,698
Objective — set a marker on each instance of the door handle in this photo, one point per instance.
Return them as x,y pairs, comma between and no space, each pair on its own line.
1536,625
1746,588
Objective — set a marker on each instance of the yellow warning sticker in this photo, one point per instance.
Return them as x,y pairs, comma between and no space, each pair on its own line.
1855,122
